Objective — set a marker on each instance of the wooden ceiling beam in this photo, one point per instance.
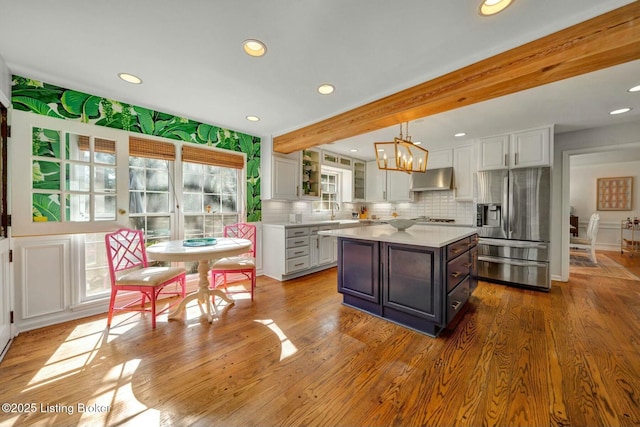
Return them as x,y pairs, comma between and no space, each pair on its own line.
604,41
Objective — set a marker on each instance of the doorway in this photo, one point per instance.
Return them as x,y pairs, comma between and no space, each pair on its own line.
583,168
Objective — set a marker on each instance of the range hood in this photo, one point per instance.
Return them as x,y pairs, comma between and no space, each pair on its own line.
432,180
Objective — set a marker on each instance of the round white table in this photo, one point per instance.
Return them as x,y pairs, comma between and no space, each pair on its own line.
175,250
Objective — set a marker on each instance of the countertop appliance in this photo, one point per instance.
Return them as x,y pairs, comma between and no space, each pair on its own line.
513,226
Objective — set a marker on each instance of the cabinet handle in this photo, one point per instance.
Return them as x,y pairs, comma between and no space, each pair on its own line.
468,265
516,158
456,250
298,265
299,252
506,160
297,190
456,304
456,274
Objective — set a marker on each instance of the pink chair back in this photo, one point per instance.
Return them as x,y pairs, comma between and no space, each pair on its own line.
243,230
125,250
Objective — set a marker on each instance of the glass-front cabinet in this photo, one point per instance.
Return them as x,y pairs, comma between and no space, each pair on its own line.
359,180
310,174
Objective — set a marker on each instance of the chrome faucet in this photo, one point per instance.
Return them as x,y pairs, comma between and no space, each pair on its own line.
336,206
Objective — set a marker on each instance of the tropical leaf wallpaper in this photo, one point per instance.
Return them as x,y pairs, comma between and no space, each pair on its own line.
53,101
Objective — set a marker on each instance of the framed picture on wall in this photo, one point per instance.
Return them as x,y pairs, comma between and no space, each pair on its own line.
615,194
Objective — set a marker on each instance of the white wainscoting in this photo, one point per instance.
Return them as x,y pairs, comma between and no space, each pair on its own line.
42,277
46,291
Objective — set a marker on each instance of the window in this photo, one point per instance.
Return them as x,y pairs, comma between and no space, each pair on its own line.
150,197
210,199
328,190
73,177
80,179
205,201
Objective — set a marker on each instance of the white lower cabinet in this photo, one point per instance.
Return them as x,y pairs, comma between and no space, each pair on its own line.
314,248
326,250
296,250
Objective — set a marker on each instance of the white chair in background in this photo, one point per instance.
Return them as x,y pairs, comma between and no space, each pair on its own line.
588,243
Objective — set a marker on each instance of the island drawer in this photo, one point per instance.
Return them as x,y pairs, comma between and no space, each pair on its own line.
295,264
295,242
457,298
297,232
457,248
296,252
458,269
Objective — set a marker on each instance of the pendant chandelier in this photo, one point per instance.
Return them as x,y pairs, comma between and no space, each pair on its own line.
401,154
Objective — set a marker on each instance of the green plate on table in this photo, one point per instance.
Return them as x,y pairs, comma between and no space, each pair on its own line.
204,241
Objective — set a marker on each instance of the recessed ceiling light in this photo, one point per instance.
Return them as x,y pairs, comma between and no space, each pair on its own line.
254,47
354,150
326,89
253,118
620,111
491,7
635,89
460,134
130,78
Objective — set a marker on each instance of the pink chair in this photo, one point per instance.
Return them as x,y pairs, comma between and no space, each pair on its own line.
130,271
244,264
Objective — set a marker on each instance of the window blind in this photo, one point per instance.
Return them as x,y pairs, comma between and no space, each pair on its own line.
227,159
100,145
141,147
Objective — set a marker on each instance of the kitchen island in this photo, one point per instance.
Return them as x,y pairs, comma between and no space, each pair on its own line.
420,278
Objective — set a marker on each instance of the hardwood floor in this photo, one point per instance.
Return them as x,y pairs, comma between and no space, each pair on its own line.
296,356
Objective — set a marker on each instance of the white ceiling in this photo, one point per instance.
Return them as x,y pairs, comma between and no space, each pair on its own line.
190,58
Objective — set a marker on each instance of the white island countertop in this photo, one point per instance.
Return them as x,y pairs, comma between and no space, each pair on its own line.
419,235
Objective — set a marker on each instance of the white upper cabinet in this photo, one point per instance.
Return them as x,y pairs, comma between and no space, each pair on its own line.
440,159
494,152
376,188
516,150
285,178
531,148
386,186
464,168
333,159
398,184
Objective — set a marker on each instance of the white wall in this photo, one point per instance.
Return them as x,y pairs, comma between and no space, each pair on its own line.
5,83
568,144
583,197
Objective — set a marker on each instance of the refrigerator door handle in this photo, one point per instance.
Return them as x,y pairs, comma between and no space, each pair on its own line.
513,244
511,209
511,261
506,216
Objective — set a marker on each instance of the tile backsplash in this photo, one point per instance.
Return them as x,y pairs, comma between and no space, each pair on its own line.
433,204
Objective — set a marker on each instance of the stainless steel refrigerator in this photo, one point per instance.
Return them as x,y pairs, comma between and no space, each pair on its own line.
513,225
